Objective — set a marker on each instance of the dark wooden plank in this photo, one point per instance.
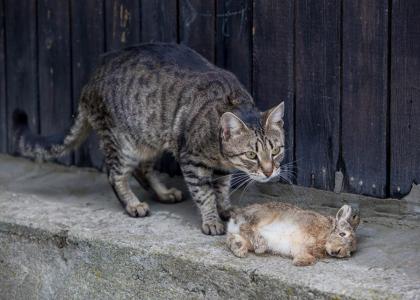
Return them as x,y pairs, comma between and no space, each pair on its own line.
21,63
196,26
122,23
317,91
233,32
88,42
273,61
3,106
159,21
54,67
405,96
364,102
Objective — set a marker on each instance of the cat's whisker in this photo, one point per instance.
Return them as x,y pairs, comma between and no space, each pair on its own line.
233,174
235,181
240,185
246,187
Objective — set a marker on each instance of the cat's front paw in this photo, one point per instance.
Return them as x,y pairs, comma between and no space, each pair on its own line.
214,227
224,213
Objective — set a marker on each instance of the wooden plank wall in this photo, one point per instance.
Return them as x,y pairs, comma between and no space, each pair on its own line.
405,96
317,91
21,62
347,71
88,43
365,96
197,25
3,104
273,41
54,68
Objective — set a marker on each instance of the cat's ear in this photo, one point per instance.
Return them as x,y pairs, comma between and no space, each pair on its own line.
274,116
231,125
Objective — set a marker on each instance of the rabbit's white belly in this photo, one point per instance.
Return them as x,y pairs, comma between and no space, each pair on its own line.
280,237
234,224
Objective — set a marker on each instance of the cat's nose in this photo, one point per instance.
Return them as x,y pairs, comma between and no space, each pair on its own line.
268,172
267,168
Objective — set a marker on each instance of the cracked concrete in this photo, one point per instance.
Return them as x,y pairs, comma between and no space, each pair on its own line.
63,235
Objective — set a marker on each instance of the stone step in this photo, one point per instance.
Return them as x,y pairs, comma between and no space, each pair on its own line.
63,235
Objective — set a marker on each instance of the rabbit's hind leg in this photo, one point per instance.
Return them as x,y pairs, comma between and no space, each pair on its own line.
257,242
302,259
260,244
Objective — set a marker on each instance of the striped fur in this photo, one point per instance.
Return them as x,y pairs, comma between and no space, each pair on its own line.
152,98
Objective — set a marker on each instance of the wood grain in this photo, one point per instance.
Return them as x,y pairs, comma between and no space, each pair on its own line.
122,23
405,97
3,103
234,39
273,57
196,26
317,92
21,63
54,69
365,97
88,42
159,21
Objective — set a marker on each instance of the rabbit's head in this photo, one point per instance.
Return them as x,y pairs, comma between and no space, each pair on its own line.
342,240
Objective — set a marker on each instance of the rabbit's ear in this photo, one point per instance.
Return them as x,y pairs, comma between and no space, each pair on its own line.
344,214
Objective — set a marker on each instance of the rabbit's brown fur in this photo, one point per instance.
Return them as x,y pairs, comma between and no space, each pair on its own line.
288,230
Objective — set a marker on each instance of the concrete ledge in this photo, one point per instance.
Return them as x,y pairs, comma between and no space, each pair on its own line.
63,235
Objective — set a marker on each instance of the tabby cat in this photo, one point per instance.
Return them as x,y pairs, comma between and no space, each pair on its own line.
151,98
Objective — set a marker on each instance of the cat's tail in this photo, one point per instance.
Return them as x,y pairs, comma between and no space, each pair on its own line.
47,147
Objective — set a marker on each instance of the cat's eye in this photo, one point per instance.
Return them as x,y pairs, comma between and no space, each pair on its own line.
342,234
251,155
275,151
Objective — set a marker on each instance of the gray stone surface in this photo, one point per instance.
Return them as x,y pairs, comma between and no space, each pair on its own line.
63,235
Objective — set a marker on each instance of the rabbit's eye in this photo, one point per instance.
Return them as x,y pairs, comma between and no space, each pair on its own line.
342,234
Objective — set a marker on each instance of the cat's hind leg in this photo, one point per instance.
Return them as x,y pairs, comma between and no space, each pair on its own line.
148,177
120,166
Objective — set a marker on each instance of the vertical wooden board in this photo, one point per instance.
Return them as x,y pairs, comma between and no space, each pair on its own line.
196,26
159,21
88,42
273,78
317,91
3,115
234,42
122,23
21,62
365,97
405,97
54,67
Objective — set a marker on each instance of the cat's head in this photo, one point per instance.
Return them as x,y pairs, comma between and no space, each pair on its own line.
253,142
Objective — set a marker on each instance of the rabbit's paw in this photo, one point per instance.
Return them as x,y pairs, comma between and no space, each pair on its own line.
260,245
237,245
304,260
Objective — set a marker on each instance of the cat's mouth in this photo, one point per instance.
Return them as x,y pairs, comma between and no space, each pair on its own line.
261,178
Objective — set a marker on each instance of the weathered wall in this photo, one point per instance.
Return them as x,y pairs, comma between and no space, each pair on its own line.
347,70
